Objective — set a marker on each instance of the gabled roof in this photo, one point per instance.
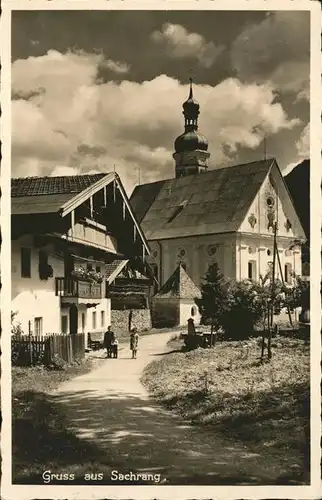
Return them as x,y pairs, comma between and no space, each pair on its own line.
113,269
179,285
44,195
33,186
35,195
211,202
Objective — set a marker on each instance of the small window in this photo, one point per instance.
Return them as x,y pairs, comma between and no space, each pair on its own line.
98,269
64,323
25,262
252,270
177,211
288,273
94,320
38,327
102,318
89,267
83,322
193,311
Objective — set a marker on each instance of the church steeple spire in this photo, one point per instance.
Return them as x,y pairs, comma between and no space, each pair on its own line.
190,147
191,111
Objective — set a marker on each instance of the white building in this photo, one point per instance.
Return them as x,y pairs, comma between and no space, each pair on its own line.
222,215
64,232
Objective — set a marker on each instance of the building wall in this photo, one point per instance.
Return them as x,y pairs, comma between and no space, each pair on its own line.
140,319
260,250
185,312
92,236
255,239
32,297
196,253
165,312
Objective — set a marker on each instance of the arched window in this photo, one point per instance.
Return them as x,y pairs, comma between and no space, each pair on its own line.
288,273
193,311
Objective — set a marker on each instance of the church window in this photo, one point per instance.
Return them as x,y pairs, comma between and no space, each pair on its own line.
270,269
269,252
288,273
193,311
252,270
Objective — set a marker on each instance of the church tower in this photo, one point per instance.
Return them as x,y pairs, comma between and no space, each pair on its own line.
191,147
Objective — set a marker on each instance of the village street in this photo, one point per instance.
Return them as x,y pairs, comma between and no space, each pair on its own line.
110,409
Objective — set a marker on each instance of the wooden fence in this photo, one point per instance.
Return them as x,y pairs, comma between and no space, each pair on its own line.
29,350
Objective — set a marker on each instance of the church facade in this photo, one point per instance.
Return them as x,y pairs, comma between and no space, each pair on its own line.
219,215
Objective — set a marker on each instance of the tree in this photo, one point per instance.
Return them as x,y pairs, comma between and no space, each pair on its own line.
244,309
213,301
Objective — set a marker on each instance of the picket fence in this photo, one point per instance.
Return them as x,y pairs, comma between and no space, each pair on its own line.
48,350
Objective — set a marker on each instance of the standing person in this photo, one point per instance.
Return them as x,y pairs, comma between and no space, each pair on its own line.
108,338
114,347
134,340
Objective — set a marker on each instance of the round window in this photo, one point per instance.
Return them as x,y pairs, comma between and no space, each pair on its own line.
270,201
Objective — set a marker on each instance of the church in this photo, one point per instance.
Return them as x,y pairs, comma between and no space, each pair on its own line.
222,215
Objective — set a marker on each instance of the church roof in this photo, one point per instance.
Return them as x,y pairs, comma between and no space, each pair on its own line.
179,285
211,202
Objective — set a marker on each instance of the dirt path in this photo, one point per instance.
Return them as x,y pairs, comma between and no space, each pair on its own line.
110,408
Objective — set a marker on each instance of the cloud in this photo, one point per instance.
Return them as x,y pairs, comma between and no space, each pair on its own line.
302,149
79,124
179,44
116,66
276,49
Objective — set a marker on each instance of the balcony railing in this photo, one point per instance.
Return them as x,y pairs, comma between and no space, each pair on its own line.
76,288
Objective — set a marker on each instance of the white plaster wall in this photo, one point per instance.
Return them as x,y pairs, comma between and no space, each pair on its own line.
185,312
32,297
195,253
273,186
259,248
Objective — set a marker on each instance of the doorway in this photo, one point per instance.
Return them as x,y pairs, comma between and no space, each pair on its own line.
73,319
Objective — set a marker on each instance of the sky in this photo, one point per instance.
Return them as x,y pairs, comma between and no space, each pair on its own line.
94,91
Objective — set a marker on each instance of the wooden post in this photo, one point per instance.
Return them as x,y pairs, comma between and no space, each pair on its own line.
282,277
91,206
30,342
271,320
105,196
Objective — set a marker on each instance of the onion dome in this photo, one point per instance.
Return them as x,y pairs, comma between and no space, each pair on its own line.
190,141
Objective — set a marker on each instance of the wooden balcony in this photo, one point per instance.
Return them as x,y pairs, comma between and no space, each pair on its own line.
79,289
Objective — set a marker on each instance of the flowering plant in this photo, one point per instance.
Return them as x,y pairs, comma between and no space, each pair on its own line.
87,275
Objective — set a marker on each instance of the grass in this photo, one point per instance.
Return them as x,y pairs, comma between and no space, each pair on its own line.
40,440
228,390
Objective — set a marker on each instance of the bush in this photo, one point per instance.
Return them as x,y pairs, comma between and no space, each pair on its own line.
243,310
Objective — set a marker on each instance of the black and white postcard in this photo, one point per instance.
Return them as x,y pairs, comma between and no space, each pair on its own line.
160,249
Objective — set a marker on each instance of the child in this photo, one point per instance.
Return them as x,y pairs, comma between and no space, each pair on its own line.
114,346
134,340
